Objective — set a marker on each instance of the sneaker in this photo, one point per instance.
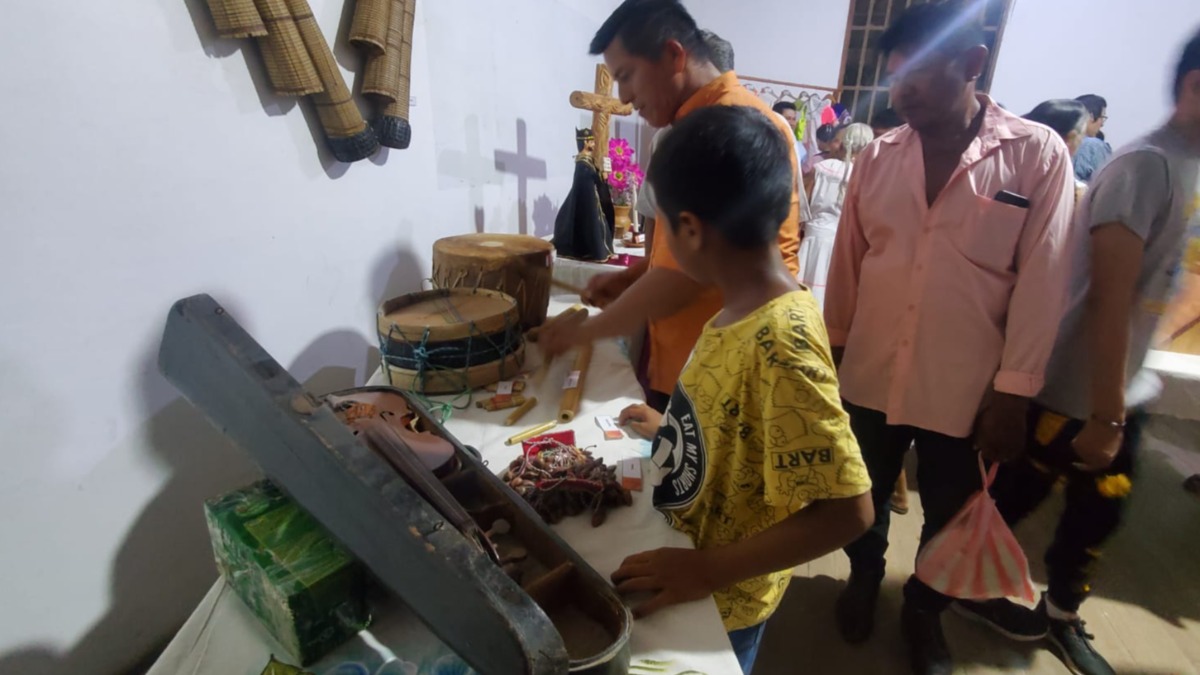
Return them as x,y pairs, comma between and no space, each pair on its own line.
927,651
1007,618
855,609
1074,646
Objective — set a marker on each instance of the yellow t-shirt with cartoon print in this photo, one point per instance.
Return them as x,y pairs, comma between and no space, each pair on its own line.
754,432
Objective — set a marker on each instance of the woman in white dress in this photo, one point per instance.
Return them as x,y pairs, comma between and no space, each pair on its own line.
830,178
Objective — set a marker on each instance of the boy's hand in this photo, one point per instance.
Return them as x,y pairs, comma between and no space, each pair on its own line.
673,575
1097,445
643,419
1000,430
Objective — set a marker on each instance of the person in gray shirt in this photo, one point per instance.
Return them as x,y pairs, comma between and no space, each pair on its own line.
1128,240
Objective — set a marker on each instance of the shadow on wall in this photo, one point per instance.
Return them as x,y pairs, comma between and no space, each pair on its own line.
394,273
165,564
544,213
472,167
524,167
273,104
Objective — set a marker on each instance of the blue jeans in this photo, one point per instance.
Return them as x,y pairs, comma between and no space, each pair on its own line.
745,643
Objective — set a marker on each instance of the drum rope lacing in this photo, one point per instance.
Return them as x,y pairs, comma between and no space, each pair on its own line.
422,353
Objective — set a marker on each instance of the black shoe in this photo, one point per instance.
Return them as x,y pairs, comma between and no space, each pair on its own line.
855,609
1007,618
927,651
1074,646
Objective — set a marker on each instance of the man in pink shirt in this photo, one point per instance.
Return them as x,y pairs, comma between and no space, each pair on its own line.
945,293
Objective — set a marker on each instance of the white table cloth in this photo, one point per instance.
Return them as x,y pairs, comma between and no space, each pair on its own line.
579,272
222,637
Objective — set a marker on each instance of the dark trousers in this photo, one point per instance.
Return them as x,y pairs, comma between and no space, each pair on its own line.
947,472
1095,502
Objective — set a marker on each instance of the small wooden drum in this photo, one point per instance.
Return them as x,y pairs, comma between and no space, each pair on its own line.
515,264
450,340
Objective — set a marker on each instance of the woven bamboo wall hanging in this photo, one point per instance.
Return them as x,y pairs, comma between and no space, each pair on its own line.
299,63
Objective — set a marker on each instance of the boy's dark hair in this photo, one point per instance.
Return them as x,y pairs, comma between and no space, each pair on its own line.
1060,114
730,167
645,27
780,106
947,27
887,118
1095,104
720,52
1188,61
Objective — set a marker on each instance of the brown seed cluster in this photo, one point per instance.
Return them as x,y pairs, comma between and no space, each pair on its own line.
561,480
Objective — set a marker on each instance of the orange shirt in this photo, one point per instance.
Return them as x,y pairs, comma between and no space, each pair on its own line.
672,338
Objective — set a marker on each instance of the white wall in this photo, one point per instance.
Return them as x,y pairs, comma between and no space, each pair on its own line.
144,161
1123,50
791,40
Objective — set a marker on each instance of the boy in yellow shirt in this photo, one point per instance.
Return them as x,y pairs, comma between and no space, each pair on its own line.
755,457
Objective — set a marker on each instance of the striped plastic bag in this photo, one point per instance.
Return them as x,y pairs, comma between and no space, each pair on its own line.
976,556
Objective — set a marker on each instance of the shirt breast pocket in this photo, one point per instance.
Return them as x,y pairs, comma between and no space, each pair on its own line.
989,236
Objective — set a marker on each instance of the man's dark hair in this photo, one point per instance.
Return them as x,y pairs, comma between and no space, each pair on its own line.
1060,114
730,167
645,27
887,118
947,27
720,52
827,132
1095,104
1188,61
780,106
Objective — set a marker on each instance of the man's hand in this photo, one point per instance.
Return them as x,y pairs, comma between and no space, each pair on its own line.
1000,429
603,289
562,335
1097,445
643,419
672,575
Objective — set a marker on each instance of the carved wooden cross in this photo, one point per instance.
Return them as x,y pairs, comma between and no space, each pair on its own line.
602,104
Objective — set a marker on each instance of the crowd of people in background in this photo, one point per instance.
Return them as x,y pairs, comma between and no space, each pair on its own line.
990,284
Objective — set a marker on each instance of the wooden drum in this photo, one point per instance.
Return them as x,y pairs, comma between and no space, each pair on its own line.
515,264
450,340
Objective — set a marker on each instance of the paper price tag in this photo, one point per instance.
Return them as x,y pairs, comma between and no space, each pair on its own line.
505,388
609,426
572,380
630,471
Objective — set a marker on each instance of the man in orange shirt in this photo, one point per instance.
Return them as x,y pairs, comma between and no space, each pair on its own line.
662,66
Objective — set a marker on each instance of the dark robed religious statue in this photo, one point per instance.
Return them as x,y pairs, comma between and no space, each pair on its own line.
584,226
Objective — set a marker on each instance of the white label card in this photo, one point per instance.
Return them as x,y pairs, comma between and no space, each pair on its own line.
504,388
572,380
609,426
631,474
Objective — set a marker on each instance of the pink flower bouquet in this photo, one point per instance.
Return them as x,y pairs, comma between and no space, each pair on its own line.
626,175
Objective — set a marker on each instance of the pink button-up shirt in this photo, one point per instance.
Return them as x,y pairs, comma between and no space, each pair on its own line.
935,304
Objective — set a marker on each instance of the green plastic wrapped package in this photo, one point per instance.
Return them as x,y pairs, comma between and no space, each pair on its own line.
307,591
